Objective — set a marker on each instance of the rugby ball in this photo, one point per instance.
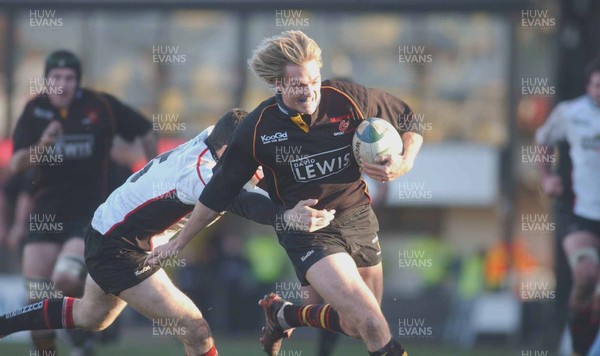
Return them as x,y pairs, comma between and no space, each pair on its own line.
373,138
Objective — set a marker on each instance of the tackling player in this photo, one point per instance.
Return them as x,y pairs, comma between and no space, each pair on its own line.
316,120
144,212
66,134
577,121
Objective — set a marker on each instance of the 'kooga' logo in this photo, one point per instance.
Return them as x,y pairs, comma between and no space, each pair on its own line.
303,258
276,137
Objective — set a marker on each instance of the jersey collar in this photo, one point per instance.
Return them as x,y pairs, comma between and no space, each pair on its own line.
282,107
294,115
212,150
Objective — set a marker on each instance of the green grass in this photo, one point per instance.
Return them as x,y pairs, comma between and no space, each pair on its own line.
136,342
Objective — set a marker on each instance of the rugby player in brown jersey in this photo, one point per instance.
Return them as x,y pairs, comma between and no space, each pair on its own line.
65,133
315,119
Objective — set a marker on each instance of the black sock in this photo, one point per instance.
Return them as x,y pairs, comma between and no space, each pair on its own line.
42,315
321,316
327,342
392,348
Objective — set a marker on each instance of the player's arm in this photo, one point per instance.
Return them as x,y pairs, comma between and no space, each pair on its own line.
236,166
260,209
133,126
547,136
25,137
302,216
386,106
256,207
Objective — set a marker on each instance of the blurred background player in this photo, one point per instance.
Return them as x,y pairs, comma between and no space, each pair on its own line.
577,121
17,192
66,133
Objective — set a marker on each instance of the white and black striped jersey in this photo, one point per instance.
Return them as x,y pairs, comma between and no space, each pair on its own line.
577,121
161,194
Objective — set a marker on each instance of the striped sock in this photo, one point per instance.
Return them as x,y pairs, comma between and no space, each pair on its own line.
320,316
43,315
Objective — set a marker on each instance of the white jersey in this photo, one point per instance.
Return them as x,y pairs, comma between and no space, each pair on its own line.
159,195
577,121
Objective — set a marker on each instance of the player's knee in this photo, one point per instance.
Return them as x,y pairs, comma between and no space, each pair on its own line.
370,326
94,322
68,285
197,331
584,265
69,275
349,327
361,322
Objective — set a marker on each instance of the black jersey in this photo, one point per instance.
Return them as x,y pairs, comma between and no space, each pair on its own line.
305,156
73,173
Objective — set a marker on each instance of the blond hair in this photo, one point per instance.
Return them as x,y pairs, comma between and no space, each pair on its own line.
270,58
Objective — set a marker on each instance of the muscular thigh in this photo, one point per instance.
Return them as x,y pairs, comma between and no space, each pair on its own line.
39,259
96,307
157,297
73,246
337,280
70,262
373,278
580,239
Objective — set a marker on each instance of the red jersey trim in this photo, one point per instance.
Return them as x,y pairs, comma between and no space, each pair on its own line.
198,165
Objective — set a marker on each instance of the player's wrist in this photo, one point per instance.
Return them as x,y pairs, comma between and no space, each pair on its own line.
179,244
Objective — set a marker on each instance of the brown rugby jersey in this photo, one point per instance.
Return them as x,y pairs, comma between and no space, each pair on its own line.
73,173
303,161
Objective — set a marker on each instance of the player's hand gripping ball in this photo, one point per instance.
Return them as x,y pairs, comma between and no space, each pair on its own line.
373,139
377,148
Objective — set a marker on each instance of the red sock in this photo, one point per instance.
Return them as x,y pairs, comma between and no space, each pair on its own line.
211,352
